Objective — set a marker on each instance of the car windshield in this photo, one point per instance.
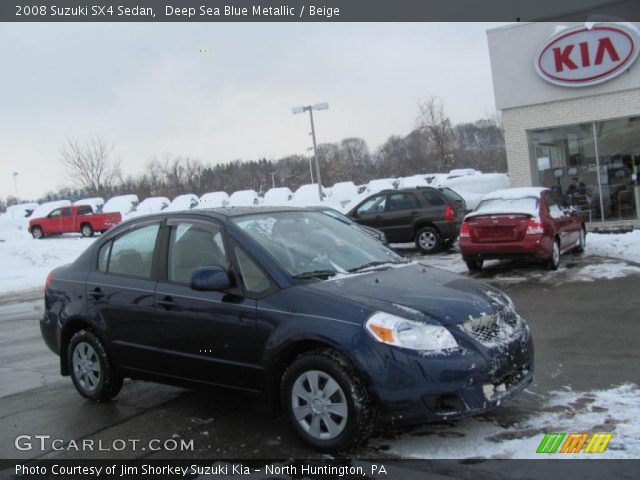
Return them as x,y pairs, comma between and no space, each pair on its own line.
314,245
509,205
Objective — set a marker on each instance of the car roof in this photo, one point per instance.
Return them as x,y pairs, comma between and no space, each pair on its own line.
223,212
408,189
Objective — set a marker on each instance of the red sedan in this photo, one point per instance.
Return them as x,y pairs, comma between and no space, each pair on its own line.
529,222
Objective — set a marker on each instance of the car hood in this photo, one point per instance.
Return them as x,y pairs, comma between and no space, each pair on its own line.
417,291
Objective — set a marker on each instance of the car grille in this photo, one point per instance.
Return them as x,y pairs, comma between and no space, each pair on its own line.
494,329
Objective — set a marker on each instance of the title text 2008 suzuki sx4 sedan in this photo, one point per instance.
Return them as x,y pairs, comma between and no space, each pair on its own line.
334,328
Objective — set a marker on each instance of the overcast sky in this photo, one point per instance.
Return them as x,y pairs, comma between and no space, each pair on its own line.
152,90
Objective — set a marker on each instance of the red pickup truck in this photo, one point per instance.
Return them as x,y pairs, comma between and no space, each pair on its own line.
74,219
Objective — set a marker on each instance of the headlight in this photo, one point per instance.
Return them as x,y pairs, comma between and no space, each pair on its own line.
398,331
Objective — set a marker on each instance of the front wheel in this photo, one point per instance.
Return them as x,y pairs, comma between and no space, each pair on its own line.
428,240
36,232
91,371
327,402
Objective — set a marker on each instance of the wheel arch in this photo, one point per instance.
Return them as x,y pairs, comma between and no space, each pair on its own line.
287,355
71,327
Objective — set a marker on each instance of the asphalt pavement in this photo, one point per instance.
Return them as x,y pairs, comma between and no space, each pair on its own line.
585,336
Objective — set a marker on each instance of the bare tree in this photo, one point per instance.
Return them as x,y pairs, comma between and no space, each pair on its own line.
91,164
435,123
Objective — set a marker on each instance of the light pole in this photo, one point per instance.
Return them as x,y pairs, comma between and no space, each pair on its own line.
15,183
310,109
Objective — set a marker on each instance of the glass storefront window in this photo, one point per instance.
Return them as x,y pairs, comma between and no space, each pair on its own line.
604,188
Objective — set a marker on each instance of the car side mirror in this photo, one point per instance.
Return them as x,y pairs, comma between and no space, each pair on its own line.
210,279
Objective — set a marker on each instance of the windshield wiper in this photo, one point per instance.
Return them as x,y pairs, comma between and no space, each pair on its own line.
376,263
315,274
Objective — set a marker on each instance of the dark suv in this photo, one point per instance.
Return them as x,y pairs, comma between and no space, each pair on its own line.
430,217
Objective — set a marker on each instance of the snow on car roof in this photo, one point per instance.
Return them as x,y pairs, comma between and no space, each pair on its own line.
513,193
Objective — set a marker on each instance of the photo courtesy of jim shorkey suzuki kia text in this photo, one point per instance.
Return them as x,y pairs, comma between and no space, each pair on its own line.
180,471
277,239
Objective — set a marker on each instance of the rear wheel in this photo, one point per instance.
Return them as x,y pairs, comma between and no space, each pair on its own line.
36,232
554,260
86,230
428,240
474,264
327,401
91,371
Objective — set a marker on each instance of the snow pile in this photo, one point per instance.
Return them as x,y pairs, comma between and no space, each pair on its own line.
413,181
306,195
183,202
96,203
243,198
606,271
375,186
46,208
344,194
122,203
625,246
151,205
26,261
20,211
213,200
277,197
616,410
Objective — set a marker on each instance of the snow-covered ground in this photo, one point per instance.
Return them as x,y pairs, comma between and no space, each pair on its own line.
615,410
26,261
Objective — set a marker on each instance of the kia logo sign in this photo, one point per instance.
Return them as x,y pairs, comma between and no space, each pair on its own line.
579,57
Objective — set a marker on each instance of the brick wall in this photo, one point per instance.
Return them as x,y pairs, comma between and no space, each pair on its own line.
580,110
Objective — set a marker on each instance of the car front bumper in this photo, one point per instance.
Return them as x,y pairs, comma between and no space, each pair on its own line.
413,387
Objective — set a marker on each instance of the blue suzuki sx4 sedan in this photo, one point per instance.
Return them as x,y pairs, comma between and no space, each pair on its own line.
336,330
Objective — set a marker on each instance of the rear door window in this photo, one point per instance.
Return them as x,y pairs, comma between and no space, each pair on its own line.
402,201
433,198
132,252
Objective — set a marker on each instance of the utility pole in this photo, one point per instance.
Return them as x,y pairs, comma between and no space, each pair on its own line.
15,183
310,108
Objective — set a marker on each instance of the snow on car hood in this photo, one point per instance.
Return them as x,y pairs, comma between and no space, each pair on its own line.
418,292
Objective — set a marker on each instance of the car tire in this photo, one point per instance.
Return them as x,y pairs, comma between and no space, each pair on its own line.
553,262
582,243
342,420
86,230
474,264
36,232
428,240
91,370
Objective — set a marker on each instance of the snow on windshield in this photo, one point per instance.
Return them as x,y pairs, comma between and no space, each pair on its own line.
303,242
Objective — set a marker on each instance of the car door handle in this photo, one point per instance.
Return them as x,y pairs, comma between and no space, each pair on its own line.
167,303
96,293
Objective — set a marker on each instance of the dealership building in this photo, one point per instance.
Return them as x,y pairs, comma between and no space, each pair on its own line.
569,95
